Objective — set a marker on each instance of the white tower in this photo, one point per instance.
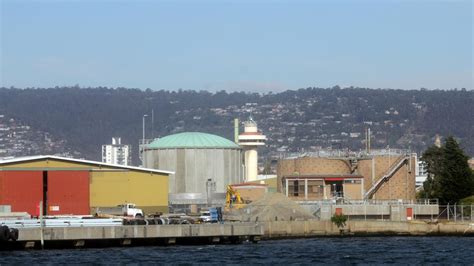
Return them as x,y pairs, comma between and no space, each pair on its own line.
250,139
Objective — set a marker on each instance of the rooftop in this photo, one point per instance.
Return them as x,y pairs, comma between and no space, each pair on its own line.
193,140
65,159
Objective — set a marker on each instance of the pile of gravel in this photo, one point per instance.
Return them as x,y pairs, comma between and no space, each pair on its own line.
272,207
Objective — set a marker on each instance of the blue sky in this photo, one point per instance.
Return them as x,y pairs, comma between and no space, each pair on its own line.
237,45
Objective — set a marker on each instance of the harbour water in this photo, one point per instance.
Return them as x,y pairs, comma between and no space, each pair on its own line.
347,250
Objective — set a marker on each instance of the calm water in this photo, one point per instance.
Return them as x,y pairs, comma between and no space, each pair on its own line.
360,250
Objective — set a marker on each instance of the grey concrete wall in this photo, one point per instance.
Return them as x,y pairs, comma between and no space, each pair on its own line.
363,209
269,230
284,229
193,167
140,231
396,212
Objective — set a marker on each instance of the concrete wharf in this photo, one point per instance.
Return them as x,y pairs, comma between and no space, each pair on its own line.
234,233
134,235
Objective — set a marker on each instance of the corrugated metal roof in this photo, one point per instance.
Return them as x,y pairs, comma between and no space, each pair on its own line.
52,157
193,140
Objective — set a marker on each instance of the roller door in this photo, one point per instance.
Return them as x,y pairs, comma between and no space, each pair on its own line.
23,190
68,192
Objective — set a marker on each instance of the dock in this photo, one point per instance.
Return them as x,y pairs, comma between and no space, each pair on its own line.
134,235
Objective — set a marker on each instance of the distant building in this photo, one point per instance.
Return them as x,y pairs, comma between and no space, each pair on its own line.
437,142
116,153
471,163
421,173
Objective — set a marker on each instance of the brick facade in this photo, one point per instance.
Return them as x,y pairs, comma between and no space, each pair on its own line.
400,186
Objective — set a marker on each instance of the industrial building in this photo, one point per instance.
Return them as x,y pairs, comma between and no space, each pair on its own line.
117,153
72,186
381,175
203,165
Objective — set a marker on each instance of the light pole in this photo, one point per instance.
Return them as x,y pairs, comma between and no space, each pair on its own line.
143,140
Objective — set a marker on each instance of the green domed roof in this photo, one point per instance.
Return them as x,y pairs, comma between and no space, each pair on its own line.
192,140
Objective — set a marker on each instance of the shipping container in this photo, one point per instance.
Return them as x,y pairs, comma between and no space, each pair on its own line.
23,190
68,192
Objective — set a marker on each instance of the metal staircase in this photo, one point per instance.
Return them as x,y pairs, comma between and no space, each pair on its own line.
403,160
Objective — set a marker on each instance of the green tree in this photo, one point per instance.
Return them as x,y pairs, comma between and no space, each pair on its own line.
456,179
449,177
432,157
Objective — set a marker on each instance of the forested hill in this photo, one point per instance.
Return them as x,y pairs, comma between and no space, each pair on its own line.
304,119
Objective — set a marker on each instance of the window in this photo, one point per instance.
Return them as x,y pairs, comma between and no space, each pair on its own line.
295,186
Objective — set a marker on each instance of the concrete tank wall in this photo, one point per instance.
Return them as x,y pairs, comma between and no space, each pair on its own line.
193,167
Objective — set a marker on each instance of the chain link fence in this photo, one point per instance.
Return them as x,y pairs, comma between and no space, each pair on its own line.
387,211
456,213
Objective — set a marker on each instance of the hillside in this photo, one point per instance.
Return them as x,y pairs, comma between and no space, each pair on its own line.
82,119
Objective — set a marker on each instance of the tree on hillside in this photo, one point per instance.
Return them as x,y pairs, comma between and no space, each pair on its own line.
449,176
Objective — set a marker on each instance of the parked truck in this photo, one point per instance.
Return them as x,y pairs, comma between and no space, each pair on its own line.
127,209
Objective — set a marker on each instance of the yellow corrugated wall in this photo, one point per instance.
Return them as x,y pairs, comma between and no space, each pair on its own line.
147,190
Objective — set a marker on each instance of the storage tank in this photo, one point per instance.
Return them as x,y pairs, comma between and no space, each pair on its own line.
204,164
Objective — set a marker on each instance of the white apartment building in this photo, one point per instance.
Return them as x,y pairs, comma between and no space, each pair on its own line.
116,153
421,172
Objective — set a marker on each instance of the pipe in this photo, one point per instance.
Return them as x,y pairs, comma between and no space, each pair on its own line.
236,130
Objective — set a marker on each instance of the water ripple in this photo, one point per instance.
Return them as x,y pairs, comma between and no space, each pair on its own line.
342,251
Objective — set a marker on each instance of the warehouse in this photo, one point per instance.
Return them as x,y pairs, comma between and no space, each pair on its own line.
204,164
72,186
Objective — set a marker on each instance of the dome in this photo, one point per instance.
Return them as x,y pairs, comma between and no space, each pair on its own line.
192,140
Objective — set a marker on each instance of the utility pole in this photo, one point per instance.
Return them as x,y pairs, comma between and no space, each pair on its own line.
143,140
152,124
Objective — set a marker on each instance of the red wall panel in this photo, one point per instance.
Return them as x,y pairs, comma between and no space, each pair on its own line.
23,190
68,192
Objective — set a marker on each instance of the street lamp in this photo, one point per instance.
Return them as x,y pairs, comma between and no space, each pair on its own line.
143,140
